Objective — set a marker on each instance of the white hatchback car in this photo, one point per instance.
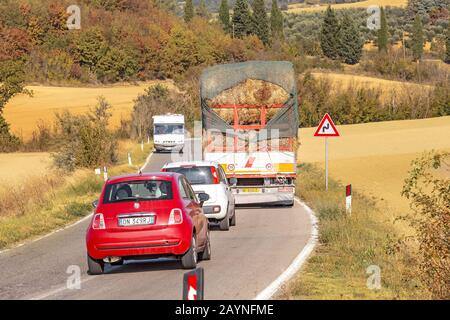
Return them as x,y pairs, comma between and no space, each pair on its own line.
209,177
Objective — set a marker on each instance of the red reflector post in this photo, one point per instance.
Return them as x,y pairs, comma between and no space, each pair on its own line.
193,285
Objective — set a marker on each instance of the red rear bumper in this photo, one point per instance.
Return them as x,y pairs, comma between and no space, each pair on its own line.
174,240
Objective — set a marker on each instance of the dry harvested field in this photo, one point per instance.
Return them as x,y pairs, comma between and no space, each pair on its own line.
387,86
376,157
24,112
299,8
18,167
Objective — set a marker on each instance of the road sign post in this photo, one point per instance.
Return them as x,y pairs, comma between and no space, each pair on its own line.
326,129
193,285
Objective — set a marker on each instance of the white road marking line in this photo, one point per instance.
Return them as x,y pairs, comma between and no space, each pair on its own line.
53,292
298,262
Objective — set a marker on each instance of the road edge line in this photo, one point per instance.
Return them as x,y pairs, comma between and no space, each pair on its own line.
299,260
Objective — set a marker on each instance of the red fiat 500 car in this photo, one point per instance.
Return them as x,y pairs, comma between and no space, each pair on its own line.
145,216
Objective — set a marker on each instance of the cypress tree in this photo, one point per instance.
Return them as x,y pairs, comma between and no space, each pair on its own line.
276,21
382,39
224,15
417,38
350,41
202,10
329,35
188,11
260,21
241,19
447,45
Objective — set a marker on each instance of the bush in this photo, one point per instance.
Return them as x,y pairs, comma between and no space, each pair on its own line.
84,141
428,188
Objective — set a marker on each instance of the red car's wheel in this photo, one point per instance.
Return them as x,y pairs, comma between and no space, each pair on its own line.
189,259
95,266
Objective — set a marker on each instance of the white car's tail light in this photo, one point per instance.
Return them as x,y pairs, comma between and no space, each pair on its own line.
98,222
176,216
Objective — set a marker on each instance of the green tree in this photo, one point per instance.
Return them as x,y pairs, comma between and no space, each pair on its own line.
202,10
260,21
241,19
90,47
12,79
417,38
188,11
382,36
350,41
329,37
224,15
276,21
447,45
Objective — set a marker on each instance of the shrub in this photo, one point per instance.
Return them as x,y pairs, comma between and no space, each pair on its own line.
428,188
85,141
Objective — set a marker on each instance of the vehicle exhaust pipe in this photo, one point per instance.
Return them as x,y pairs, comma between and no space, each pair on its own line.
112,259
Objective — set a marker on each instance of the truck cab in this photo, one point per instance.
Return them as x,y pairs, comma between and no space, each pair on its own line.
168,132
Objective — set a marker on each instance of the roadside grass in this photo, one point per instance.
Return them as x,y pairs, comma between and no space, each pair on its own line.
348,245
43,204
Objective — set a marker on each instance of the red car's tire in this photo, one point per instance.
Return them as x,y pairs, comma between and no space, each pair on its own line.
189,259
95,266
206,254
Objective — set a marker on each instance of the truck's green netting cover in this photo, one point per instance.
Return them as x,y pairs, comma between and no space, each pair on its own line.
216,79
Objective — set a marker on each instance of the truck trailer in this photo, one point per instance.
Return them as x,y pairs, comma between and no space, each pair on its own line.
250,127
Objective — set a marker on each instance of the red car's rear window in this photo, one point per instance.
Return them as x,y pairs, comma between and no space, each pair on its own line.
149,190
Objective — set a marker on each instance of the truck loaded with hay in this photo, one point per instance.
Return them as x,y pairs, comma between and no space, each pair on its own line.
250,127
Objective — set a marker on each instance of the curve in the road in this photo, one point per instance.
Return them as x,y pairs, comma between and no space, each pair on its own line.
251,260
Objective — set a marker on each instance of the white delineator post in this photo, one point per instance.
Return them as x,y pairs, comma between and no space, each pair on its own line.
142,145
348,199
129,159
105,173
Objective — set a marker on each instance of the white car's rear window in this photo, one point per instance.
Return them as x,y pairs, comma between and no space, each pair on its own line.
195,175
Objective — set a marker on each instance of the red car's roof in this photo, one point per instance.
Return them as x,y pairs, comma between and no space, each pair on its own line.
144,176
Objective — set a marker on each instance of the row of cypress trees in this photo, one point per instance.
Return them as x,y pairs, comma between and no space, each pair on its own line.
190,12
255,21
340,40
245,20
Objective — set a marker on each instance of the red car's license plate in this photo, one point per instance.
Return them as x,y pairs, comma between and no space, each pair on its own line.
136,221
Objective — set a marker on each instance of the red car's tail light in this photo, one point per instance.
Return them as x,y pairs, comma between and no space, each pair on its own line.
176,216
215,175
98,222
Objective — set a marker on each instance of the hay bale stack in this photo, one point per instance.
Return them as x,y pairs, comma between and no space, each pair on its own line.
250,92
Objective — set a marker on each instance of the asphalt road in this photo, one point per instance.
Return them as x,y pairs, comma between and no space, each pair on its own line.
245,260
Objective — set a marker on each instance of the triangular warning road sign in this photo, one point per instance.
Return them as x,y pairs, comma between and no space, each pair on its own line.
326,128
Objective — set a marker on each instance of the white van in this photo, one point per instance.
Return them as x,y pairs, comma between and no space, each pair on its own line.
168,132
